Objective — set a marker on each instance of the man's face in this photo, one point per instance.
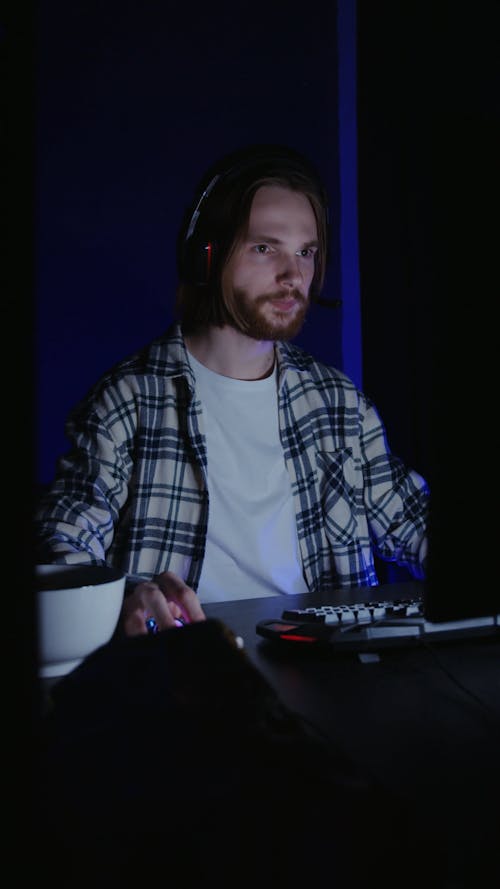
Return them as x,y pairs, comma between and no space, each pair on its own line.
271,270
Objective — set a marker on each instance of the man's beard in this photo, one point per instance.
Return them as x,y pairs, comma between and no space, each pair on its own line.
253,323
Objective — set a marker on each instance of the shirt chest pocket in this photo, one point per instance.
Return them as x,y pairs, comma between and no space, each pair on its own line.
339,491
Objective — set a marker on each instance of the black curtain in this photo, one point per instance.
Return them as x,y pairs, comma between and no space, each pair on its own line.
394,222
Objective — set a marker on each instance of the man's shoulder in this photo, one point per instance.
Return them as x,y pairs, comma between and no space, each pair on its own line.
144,370
297,358
163,355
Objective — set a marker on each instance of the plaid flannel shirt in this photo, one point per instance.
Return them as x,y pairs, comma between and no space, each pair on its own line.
132,490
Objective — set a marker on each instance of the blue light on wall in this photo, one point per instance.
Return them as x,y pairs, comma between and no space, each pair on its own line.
348,199
134,101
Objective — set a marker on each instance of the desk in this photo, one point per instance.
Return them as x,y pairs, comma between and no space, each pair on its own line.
424,724
411,719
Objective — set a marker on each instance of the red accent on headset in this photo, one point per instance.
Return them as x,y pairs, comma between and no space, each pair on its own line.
208,248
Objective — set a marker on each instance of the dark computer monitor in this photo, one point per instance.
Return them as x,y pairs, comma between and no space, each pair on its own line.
464,539
462,580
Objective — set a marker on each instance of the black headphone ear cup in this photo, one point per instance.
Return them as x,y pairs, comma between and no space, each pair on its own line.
198,261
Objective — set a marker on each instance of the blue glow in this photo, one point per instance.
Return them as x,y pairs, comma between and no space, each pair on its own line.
347,135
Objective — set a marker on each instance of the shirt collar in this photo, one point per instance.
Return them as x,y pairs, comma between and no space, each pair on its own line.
168,356
288,356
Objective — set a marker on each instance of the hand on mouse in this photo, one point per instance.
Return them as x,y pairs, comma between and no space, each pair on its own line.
165,601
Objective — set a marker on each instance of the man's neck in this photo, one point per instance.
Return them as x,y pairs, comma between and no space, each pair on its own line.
228,352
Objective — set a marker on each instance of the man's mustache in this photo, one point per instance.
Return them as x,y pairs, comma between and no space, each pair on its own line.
271,297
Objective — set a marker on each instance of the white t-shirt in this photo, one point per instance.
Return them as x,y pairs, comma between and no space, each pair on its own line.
252,546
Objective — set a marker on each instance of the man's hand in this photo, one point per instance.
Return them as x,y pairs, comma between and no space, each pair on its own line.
166,599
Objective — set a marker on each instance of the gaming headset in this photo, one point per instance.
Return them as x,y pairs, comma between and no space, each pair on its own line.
206,234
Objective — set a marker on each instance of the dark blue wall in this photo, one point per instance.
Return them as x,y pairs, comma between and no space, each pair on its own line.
133,101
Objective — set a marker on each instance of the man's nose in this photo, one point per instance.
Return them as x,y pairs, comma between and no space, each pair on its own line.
289,273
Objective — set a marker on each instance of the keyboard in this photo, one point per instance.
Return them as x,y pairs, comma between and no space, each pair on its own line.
370,626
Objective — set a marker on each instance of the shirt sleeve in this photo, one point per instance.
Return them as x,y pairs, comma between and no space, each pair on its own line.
396,499
76,516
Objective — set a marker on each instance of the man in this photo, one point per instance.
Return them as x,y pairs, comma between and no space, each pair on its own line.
221,461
